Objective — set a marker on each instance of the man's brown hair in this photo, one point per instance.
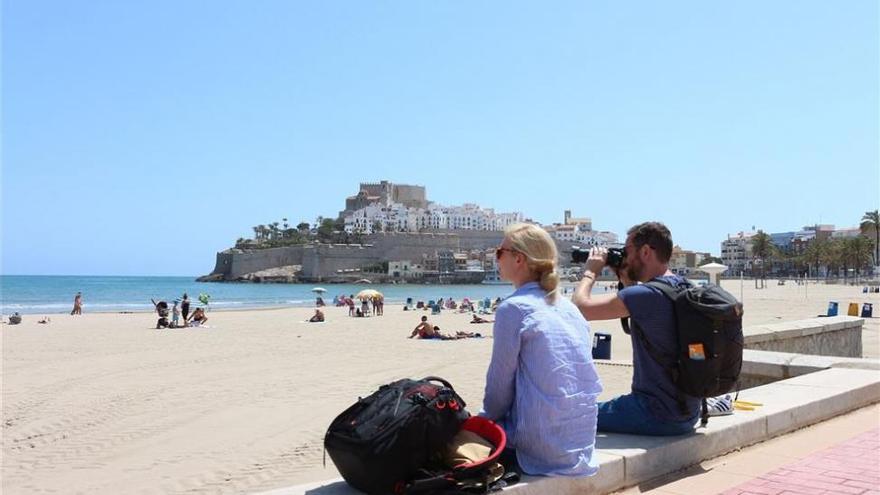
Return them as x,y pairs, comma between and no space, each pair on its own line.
654,234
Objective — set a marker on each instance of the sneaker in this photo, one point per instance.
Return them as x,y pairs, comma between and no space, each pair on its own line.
720,406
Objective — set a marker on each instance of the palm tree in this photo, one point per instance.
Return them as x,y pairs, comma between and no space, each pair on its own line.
762,249
871,219
857,252
815,253
256,232
832,256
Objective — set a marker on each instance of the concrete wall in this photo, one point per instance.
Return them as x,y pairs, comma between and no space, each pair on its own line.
835,336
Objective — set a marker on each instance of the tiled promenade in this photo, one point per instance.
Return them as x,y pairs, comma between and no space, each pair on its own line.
850,467
840,455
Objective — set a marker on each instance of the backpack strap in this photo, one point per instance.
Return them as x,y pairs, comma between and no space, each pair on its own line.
667,289
672,370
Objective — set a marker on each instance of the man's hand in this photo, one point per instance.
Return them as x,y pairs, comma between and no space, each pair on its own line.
596,261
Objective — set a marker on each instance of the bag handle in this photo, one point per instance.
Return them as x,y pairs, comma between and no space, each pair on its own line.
438,379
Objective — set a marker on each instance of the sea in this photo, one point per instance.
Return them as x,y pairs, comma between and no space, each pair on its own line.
30,294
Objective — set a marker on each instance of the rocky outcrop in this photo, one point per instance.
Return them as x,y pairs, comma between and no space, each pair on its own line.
281,274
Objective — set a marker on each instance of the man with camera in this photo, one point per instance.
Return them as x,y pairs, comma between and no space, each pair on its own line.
654,407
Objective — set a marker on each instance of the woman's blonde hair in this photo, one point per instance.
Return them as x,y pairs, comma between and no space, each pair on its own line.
540,252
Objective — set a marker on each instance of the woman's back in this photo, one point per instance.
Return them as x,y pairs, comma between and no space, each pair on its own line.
549,408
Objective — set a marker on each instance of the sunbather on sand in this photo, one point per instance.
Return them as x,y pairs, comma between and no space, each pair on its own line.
198,318
425,330
318,317
477,319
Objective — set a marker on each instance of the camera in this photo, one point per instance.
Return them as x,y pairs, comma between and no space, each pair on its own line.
614,259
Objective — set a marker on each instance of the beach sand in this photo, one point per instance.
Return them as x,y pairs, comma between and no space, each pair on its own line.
105,403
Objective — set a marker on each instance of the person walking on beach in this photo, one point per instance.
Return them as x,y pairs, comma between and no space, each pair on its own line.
175,315
184,309
379,305
542,384
77,304
654,406
350,303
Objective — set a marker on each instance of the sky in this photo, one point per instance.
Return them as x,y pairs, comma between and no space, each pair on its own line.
140,138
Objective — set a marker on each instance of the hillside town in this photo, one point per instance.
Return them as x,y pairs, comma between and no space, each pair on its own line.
393,233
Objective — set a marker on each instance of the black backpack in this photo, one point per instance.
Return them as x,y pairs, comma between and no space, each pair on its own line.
710,340
380,443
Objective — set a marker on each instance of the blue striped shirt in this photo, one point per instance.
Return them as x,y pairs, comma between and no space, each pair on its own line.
542,384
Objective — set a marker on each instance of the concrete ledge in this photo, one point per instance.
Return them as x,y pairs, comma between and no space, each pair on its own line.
627,460
770,366
834,336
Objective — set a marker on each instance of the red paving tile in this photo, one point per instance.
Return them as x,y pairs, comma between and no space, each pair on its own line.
850,467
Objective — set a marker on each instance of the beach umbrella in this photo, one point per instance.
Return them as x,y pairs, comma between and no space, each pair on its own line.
319,289
714,270
368,294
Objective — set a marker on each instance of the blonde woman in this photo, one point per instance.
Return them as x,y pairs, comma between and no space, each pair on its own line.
542,384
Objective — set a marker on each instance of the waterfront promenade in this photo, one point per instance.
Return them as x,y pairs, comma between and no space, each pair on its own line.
838,456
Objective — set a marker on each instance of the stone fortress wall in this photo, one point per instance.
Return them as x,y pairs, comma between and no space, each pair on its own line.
232,265
325,261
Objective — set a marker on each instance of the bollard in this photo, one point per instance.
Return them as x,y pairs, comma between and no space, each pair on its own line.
867,310
832,308
853,309
601,346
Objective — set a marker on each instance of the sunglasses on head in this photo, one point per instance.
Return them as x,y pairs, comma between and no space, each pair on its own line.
500,250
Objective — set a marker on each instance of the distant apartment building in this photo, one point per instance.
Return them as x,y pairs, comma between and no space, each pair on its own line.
397,217
846,233
580,231
736,252
684,262
567,219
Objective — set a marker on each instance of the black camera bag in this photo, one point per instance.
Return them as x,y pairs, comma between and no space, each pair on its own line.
381,441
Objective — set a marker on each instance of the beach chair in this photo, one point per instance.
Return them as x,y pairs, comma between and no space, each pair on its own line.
435,309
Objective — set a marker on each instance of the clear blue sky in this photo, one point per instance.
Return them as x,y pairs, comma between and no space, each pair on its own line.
142,137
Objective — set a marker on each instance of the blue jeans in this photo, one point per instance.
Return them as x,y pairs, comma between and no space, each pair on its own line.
629,414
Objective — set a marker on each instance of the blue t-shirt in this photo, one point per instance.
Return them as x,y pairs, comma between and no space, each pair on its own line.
653,312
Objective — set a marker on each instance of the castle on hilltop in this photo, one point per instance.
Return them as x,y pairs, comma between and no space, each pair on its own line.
385,193
392,233
387,207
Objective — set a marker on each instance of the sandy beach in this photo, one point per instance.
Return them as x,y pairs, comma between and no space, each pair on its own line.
105,403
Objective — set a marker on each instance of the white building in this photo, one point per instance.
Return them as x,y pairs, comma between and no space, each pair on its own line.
396,217
736,252
405,269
